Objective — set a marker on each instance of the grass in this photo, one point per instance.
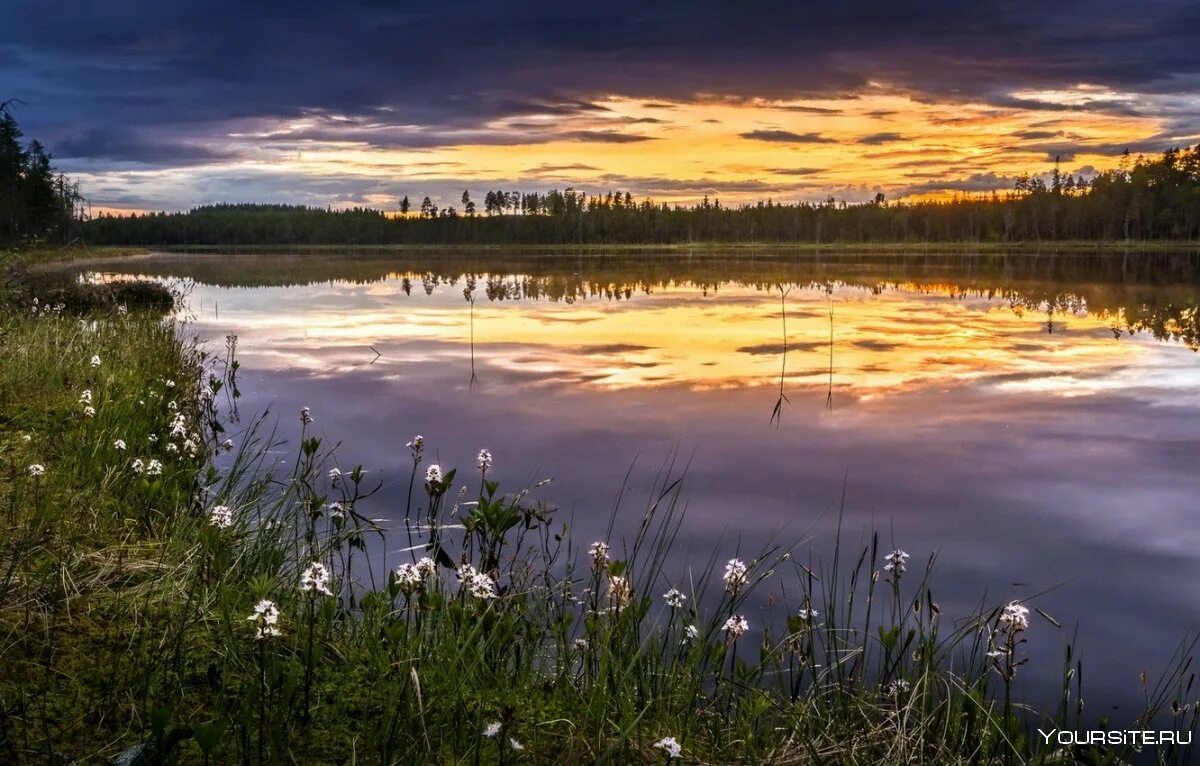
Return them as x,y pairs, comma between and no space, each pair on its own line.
128,603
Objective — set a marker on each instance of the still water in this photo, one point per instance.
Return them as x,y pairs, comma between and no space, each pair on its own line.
1033,420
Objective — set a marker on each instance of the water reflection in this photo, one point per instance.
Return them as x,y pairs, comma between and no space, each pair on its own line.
1035,420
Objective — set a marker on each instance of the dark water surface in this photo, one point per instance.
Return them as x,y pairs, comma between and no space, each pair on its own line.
1032,420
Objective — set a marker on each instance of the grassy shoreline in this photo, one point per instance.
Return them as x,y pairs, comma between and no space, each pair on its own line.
133,603
53,256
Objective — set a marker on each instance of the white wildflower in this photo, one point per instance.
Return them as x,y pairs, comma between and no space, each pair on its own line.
315,579
409,577
122,309
172,405
581,644
897,688
119,445
599,553
433,474
89,412
153,438
476,583
227,445
895,562
36,470
514,744
170,383
620,592
137,466
427,567
690,634
86,396
808,613
416,443
96,361
736,626
1014,618
335,476
336,511
221,516
675,598
736,575
266,618
491,730
172,448
306,415
154,467
484,461
670,745
26,438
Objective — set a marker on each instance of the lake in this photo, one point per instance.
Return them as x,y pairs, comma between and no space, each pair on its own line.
1033,420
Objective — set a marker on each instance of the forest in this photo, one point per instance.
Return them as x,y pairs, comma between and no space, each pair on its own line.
37,204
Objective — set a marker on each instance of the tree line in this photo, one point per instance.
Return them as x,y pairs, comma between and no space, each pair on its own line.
1140,199
37,204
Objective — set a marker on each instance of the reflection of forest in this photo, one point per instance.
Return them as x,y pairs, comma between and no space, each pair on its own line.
1152,292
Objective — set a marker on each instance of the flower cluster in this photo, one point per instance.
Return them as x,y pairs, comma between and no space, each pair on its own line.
119,445
736,575
266,619
478,584
675,598
40,310
1014,618
221,516
671,746
690,634
484,461
412,576
599,553
620,593
895,562
433,474
37,470
315,579
306,415
736,626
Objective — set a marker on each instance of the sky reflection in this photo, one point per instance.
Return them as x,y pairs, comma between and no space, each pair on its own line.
1031,450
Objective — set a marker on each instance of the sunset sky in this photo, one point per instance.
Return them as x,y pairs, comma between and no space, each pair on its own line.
155,105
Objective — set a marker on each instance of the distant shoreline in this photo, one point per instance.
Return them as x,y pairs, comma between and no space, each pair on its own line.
1074,247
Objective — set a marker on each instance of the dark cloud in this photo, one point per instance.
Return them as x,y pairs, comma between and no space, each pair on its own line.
602,136
796,171
188,72
808,109
576,166
876,139
123,146
787,137
1034,135
976,182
